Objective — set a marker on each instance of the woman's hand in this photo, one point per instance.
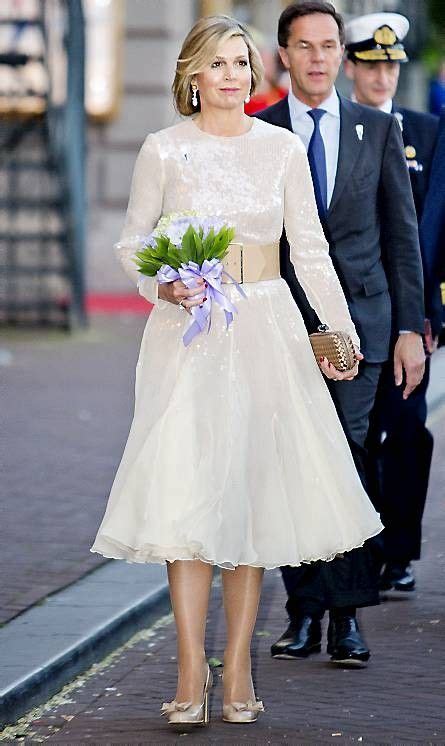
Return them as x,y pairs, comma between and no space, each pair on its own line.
178,294
337,375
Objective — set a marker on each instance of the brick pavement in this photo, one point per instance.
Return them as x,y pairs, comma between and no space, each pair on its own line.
399,699
65,420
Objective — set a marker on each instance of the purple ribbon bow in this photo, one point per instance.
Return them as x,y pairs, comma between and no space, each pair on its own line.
211,271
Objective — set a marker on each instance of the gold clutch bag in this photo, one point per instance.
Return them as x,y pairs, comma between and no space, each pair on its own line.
337,347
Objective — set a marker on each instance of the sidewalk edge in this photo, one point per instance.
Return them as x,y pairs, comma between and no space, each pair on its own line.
49,679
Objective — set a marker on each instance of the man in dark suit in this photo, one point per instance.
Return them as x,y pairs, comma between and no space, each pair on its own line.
400,446
362,190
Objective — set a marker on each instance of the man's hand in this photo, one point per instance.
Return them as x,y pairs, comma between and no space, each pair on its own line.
409,357
431,342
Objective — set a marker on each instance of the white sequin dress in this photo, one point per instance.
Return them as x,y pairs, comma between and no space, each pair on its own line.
235,454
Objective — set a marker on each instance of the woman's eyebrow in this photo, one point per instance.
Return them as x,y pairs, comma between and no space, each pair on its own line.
239,57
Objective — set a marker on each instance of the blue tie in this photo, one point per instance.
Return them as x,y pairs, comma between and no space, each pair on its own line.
317,161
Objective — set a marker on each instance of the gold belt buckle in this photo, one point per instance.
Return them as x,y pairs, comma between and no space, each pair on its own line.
233,263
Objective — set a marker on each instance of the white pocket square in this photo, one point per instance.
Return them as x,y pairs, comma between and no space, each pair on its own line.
359,130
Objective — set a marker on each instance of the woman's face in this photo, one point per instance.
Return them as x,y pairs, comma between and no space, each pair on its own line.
226,80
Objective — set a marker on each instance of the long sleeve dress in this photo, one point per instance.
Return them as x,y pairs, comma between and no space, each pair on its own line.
235,454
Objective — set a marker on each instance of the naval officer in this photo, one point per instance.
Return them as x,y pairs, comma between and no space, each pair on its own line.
400,446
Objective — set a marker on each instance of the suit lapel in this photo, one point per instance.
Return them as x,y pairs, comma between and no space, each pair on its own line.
282,115
349,147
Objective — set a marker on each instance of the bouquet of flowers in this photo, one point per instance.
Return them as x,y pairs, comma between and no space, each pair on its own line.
185,247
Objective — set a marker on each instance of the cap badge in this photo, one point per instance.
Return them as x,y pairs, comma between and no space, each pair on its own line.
410,152
385,36
359,130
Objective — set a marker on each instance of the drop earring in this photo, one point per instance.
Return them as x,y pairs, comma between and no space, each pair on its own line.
194,96
247,99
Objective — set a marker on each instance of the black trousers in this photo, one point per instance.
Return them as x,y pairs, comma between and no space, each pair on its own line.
352,579
400,453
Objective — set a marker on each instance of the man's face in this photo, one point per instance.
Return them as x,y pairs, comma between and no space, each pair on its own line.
313,56
374,82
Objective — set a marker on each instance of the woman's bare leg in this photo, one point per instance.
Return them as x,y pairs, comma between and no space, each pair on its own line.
190,583
241,590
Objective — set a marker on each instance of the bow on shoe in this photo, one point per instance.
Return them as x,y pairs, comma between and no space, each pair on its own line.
249,705
174,706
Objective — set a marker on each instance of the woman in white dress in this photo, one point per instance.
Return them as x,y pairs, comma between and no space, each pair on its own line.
236,456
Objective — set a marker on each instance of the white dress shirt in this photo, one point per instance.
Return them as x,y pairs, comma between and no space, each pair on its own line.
303,126
386,106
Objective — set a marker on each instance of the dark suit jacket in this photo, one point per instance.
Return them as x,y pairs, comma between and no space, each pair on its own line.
432,224
420,132
372,199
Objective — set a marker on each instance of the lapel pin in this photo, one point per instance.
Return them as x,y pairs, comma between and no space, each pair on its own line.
359,130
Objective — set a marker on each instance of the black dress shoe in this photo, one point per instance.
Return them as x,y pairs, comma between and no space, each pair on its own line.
302,637
397,577
346,646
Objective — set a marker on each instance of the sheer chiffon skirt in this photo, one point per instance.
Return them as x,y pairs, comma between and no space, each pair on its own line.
235,454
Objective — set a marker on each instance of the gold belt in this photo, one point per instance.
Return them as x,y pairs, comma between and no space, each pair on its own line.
252,262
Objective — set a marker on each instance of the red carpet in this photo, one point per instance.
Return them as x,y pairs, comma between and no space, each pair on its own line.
111,303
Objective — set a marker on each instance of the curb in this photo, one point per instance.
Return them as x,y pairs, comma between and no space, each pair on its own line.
71,657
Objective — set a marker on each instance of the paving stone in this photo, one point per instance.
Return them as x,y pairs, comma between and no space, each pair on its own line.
67,417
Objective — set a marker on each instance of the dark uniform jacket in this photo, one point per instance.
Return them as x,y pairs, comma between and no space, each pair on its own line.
372,198
432,227
419,132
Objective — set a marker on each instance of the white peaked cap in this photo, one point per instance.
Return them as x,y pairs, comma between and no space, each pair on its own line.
364,27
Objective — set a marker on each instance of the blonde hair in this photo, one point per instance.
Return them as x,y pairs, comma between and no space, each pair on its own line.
199,49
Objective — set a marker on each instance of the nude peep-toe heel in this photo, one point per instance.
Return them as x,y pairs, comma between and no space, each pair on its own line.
242,712
187,713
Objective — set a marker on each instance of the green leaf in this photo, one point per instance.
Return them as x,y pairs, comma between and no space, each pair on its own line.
220,245
175,258
223,254
149,269
199,248
188,245
146,264
207,245
162,242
